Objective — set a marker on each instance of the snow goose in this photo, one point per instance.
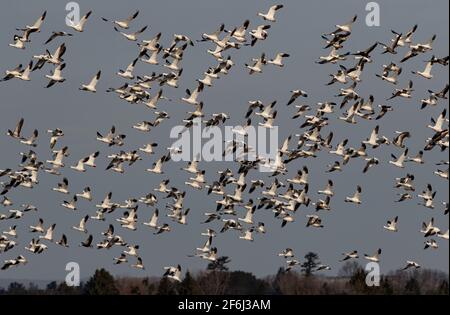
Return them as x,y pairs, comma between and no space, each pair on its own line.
351,255
56,77
80,165
356,198
213,36
91,87
439,122
157,166
270,15
392,225
258,64
125,24
88,242
31,141
153,58
82,225
345,28
314,221
400,139
442,173
173,273
431,244
426,73
11,231
63,187
394,45
291,264
71,205
16,133
79,27
388,77
417,159
192,99
411,264
55,35
63,241
278,60
247,235
14,73
128,73
36,27
429,229
48,234
328,191
260,33
399,162
239,33
86,194
407,38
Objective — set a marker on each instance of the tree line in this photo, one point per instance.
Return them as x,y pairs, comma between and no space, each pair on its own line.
219,280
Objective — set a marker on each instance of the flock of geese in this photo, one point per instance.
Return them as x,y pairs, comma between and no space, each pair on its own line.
233,211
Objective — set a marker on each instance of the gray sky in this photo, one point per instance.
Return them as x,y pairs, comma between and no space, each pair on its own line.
296,32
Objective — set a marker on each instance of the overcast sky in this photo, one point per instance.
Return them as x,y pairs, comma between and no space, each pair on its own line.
296,32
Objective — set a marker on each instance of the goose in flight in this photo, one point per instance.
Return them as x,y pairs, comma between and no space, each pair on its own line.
132,36
82,225
399,162
270,15
416,49
333,57
71,205
128,73
411,264
55,35
240,32
439,122
405,92
125,24
345,28
63,187
16,133
295,95
260,33
291,264
429,229
351,255
213,36
48,234
426,73
79,27
173,273
56,77
375,257
157,166
314,221
192,99
63,241
14,262
390,76
287,253
431,244
88,242
36,27
394,45
392,225
91,87
257,65
407,38
139,264
356,198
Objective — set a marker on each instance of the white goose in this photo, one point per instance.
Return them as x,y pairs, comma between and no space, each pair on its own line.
392,225
356,198
399,162
278,60
79,27
125,24
270,15
82,225
91,87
